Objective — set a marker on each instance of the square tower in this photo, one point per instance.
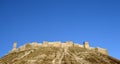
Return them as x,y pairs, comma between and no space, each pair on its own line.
14,46
86,44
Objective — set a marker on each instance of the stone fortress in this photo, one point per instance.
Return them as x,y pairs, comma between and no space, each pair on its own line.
57,44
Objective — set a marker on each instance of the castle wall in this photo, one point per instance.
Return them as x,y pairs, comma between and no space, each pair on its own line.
101,50
45,43
35,45
22,48
57,44
68,44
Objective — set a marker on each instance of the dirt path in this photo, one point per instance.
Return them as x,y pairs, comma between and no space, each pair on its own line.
65,51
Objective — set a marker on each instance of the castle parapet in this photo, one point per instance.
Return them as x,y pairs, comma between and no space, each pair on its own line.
101,50
68,44
45,43
57,44
35,45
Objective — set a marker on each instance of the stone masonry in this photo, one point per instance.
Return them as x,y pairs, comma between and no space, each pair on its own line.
58,44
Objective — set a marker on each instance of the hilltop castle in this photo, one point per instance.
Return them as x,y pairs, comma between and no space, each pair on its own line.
57,44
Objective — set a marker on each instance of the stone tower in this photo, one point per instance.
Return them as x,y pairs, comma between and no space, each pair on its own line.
86,44
14,46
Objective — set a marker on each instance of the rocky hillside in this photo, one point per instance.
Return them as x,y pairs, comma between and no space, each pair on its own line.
57,55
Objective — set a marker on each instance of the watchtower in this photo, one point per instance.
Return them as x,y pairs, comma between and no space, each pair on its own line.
86,44
14,46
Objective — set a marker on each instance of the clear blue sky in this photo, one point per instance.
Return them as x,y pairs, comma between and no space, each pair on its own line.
95,21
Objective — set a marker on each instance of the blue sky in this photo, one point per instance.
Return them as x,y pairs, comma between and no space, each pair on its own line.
95,21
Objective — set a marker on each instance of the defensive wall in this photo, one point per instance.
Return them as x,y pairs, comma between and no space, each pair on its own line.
57,44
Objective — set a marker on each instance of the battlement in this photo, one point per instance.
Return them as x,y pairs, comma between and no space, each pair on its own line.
35,45
57,44
101,50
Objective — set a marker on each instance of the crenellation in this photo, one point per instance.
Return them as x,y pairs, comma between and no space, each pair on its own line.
68,44
22,48
57,44
45,43
80,45
101,50
35,45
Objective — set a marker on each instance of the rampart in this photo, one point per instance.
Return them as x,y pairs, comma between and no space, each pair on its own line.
101,50
35,45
